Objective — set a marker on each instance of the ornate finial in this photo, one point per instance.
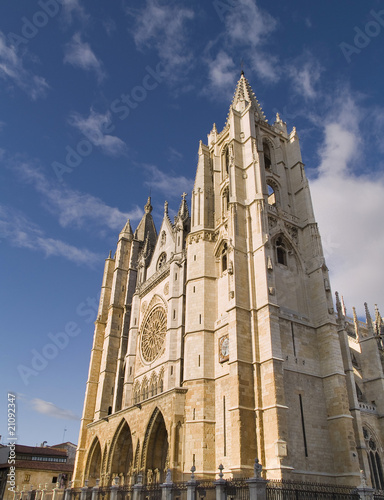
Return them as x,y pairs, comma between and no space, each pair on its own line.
148,206
338,306
166,208
355,321
363,478
368,318
193,468
344,309
257,468
278,119
110,254
378,321
184,195
221,467
168,477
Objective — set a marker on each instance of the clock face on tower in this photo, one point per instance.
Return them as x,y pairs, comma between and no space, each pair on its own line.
224,348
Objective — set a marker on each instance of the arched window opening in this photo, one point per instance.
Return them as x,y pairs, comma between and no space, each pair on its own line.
224,258
161,261
225,201
359,394
225,161
281,252
271,195
144,391
161,385
267,156
374,460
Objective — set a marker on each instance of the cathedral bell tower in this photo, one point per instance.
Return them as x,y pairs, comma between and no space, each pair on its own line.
263,365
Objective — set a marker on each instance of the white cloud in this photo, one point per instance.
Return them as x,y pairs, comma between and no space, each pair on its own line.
73,208
12,70
95,128
221,72
305,72
168,184
51,410
248,24
21,232
349,207
249,27
163,28
80,55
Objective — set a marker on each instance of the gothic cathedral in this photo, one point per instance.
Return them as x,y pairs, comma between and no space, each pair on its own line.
216,339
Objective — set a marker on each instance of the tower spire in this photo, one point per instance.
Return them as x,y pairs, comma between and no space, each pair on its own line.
244,96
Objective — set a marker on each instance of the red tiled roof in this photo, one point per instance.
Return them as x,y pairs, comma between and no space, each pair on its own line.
38,450
47,466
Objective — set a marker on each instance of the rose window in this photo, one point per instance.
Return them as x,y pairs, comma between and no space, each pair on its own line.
153,334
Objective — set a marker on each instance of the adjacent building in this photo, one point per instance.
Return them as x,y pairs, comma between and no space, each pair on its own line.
37,466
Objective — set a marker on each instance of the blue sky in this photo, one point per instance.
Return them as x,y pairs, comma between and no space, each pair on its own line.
102,103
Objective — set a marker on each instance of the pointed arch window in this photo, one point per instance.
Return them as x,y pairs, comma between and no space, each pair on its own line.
162,260
271,194
224,258
281,251
225,200
267,156
225,160
374,460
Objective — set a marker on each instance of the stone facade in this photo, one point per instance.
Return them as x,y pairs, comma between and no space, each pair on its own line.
216,339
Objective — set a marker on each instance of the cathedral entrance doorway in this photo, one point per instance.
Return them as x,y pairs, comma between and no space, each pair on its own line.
120,463
93,468
155,459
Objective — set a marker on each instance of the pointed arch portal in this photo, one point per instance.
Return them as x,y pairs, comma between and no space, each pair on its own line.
120,462
155,458
93,467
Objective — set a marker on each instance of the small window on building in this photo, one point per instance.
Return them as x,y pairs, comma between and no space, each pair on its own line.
267,156
109,410
281,252
161,261
54,479
225,200
224,258
271,195
226,160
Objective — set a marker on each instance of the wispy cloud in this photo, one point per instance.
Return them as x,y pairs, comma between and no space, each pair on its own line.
73,208
12,70
72,8
79,54
221,74
247,28
21,232
95,128
167,183
162,27
305,72
349,206
51,410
